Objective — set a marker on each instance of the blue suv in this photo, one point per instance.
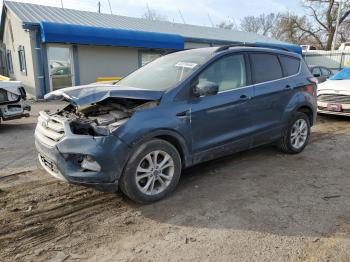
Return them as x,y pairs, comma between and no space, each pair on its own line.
177,111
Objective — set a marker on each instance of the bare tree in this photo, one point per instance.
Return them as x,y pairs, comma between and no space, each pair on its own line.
289,30
322,16
250,24
227,25
264,24
153,15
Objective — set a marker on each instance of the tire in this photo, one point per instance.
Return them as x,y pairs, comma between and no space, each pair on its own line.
289,145
140,172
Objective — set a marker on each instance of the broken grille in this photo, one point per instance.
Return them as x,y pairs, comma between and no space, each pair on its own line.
330,98
50,129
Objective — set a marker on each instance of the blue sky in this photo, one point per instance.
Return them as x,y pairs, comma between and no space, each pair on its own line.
193,11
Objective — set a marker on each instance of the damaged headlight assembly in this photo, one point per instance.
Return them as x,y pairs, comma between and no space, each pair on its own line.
107,130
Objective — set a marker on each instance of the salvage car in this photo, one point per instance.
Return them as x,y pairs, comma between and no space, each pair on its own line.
177,111
334,94
12,100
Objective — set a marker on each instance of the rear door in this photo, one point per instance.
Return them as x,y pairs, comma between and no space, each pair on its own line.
273,89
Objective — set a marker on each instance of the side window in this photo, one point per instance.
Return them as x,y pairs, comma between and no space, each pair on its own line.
290,65
22,60
228,72
325,72
265,67
9,61
316,71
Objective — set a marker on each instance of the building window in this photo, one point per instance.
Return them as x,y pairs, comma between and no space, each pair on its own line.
22,59
9,61
147,56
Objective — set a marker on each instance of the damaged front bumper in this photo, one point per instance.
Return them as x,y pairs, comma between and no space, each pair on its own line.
62,153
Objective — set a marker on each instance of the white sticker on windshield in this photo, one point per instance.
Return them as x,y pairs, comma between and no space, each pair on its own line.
186,64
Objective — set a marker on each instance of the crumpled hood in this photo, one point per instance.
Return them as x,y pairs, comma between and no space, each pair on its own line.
341,87
11,86
90,94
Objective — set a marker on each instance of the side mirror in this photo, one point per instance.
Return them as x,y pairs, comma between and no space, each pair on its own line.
205,88
317,75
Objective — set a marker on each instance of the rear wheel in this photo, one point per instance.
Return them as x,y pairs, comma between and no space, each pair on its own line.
296,135
152,172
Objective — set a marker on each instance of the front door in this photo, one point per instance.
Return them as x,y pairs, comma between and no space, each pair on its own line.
221,123
60,66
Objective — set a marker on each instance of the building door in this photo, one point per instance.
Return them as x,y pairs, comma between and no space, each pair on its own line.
60,66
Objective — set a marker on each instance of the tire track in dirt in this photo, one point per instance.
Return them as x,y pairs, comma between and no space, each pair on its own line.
38,214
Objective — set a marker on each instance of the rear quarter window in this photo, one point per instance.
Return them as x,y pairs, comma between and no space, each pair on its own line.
290,65
265,67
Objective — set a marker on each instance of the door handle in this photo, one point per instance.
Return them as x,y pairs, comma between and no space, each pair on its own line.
183,114
244,97
288,87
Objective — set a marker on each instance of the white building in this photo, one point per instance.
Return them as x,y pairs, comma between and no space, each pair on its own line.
49,48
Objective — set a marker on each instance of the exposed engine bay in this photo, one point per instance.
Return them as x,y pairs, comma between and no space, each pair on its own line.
104,117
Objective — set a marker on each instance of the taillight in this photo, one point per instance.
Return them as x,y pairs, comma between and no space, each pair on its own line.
311,89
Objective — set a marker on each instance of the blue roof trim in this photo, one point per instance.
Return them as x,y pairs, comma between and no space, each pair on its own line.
289,47
90,35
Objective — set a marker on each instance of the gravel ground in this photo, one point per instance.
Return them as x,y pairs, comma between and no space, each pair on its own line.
259,205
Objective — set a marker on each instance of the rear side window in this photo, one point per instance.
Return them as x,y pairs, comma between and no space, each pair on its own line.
290,65
265,67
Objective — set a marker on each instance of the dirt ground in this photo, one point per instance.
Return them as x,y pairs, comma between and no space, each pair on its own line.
259,205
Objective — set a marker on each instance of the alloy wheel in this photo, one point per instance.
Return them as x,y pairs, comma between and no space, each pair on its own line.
154,172
299,133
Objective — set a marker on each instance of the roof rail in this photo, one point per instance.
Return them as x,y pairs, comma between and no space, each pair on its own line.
267,45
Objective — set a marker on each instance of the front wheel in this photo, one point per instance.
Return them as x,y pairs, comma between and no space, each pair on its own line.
296,135
152,172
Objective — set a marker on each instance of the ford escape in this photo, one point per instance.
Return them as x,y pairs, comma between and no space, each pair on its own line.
179,110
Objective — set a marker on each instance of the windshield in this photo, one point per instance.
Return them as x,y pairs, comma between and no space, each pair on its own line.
342,75
165,72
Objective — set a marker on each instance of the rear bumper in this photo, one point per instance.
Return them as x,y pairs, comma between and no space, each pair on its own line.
60,162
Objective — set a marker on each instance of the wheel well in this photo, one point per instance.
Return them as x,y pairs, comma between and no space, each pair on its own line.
307,110
172,140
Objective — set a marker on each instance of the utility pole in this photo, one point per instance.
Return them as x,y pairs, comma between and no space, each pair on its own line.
62,3
99,7
337,26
